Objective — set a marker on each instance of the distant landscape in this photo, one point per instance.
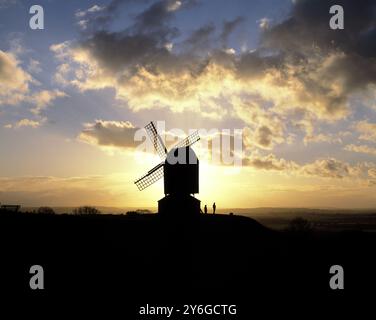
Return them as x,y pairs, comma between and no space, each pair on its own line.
218,256
276,218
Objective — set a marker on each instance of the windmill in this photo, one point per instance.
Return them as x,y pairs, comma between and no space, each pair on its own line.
180,169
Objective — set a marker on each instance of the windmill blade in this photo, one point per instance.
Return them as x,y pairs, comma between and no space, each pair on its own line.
158,144
188,141
152,176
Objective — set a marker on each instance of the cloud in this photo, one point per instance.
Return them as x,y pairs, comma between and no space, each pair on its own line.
263,136
15,88
83,24
348,55
14,81
367,130
200,41
43,99
110,134
81,15
100,17
361,149
174,5
327,168
372,173
269,162
34,66
60,76
321,137
26,123
307,24
61,50
95,8
229,27
264,23
296,76
92,9
264,129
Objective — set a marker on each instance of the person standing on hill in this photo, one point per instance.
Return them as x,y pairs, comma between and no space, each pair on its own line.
206,209
214,207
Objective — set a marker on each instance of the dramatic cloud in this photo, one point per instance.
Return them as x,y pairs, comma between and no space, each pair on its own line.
349,54
308,26
302,74
229,27
110,133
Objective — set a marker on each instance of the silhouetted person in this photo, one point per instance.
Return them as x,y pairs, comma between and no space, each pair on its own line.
206,209
214,207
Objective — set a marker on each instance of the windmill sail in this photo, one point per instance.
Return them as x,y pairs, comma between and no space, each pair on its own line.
152,176
157,172
188,141
158,144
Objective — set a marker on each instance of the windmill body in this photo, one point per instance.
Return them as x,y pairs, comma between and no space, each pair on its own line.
180,168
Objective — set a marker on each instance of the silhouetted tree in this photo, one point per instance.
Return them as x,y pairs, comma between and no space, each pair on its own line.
138,211
300,226
143,211
86,210
45,210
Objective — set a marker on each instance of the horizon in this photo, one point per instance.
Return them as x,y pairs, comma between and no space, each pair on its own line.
219,210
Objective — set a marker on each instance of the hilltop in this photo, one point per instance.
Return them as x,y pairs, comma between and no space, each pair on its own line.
146,256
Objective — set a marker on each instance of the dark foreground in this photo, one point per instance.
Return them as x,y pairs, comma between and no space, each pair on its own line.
144,259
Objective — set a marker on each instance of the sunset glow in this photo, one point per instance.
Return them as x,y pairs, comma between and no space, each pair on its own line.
73,95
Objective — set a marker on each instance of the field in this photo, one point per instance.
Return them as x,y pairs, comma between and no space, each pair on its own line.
147,258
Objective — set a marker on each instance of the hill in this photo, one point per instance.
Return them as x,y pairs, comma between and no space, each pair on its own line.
145,256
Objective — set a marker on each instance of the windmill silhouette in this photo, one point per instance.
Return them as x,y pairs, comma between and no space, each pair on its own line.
180,168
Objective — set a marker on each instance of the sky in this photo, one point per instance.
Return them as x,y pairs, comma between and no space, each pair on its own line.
73,96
